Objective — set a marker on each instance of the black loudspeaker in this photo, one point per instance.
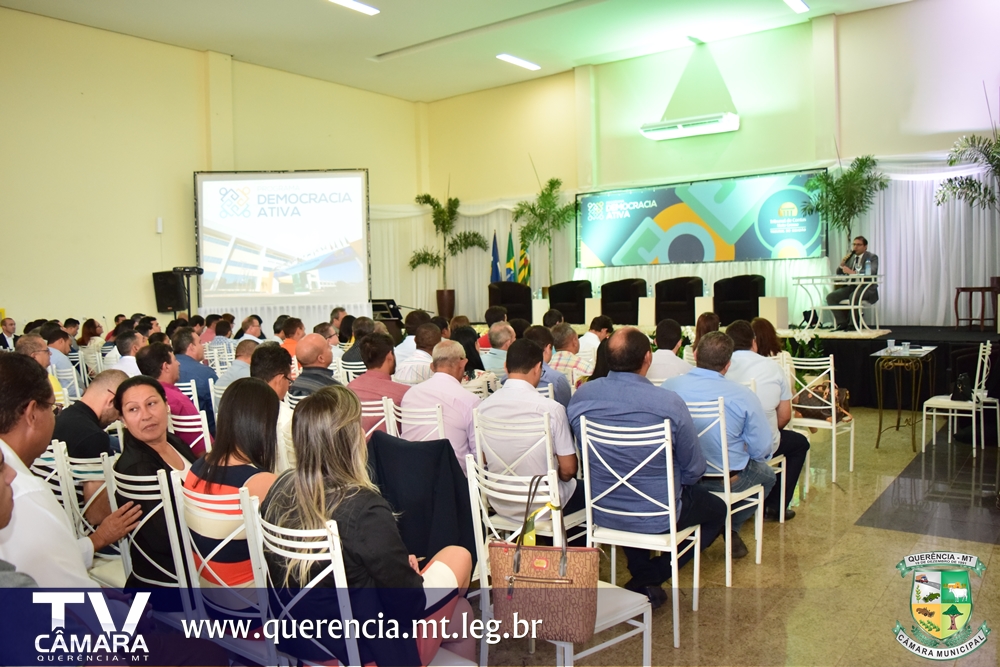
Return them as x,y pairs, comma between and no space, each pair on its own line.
169,289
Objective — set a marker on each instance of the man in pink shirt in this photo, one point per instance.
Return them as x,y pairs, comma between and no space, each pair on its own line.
158,362
445,388
379,357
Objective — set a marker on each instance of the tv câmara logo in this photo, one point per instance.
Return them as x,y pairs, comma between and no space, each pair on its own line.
941,605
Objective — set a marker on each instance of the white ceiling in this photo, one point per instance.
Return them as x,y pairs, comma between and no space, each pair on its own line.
456,41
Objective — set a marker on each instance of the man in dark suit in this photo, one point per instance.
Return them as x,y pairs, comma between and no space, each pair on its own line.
7,337
859,261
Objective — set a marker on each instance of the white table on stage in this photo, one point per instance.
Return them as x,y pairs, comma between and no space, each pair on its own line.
817,288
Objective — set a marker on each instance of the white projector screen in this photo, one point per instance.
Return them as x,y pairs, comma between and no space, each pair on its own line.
292,241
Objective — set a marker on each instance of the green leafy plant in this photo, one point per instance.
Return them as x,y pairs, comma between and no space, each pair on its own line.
544,217
840,195
984,152
452,243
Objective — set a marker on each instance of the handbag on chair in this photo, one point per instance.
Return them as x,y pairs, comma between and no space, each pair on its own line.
554,585
963,388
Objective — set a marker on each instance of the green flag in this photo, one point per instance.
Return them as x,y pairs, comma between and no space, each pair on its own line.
524,269
510,274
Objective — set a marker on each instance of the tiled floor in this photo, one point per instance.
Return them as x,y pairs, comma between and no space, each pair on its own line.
827,591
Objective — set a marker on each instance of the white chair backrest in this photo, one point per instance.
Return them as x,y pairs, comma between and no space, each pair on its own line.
814,374
429,422
81,370
216,394
46,468
146,489
380,410
751,384
320,547
92,360
546,391
657,381
709,415
190,389
353,369
514,448
606,448
197,424
982,369
292,401
338,370
71,388
112,357
74,473
295,370
212,357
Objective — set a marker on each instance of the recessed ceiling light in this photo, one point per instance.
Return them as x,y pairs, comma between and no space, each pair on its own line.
356,6
797,6
513,60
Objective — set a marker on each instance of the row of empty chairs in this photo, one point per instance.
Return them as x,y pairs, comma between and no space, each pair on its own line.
734,298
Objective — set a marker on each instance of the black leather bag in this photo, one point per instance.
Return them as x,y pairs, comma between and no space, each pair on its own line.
962,390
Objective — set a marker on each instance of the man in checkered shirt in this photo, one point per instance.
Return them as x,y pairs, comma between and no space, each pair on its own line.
567,344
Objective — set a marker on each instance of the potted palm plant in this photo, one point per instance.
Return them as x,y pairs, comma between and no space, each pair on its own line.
840,195
452,243
984,152
544,217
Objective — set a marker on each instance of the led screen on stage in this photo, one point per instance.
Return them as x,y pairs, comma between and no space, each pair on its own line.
735,219
296,238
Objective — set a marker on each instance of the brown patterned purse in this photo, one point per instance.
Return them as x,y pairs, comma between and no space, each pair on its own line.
554,585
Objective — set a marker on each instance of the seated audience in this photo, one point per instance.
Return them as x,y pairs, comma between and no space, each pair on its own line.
459,321
158,338
666,363
707,323
601,363
198,324
81,426
207,334
38,540
72,327
376,383
417,368
467,337
565,359
413,319
159,362
315,358
768,343
445,388
34,346
144,330
190,355
346,330
91,331
493,315
147,449
560,385
128,344
58,343
501,336
250,329
331,481
600,328
337,315
748,434
519,399
9,576
7,337
243,455
771,387
111,334
519,326
151,322
551,318
443,325
278,326
293,331
272,364
240,368
222,339
625,398
362,327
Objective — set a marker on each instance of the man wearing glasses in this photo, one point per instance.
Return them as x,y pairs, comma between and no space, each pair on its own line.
273,364
34,346
859,261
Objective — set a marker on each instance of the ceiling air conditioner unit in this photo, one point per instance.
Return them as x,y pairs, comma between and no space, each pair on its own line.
691,127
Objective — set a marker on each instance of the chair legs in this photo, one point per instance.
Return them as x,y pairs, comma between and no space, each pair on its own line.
729,548
851,466
833,439
614,564
759,524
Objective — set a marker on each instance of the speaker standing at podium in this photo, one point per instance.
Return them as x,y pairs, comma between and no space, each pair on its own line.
858,261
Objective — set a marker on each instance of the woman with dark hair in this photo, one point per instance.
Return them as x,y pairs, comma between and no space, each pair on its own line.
707,323
346,326
148,448
90,329
243,455
468,338
601,367
330,481
768,343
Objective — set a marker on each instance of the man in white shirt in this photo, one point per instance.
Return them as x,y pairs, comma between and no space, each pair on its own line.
600,328
771,387
129,343
501,336
417,368
666,364
411,322
517,400
39,541
251,329
445,388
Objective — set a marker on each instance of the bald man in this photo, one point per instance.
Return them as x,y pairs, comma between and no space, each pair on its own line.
313,352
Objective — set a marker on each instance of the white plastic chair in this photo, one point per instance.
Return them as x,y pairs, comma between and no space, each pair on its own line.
71,387
353,369
602,445
708,415
381,410
190,389
615,606
111,358
147,489
532,434
220,517
192,424
46,468
292,401
546,391
944,405
338,370
775,461
818,371
93,362
81,370
216,393
429,422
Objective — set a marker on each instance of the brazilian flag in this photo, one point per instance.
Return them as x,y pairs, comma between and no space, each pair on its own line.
510,274
524,269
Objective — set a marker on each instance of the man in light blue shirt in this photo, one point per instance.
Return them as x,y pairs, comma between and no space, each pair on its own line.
495,359
58,341
560,385
748,434
240,368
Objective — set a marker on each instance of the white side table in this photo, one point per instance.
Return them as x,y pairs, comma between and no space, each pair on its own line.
774,309
703,304
538,309
647,311
592,309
